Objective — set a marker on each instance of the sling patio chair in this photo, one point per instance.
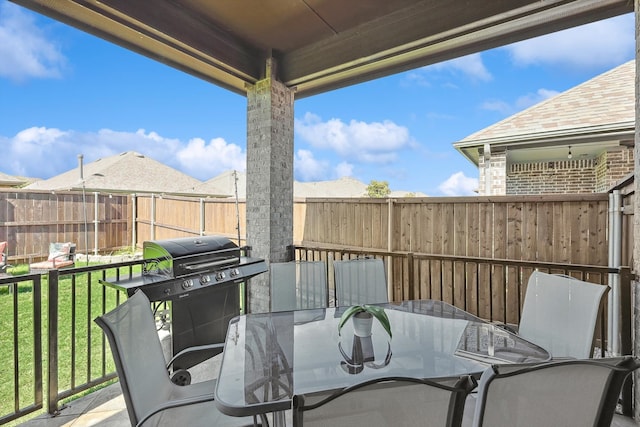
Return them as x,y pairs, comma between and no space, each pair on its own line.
297,285
61,255
560,314
3,258
568,393
360,281
150,396
391,401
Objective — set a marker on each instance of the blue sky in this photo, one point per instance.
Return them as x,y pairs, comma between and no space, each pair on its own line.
64,92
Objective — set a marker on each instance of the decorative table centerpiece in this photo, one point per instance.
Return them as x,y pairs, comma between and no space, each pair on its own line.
363,319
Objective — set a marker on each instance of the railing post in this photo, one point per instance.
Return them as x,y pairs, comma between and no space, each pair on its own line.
626,342
412,286
37,327
53,342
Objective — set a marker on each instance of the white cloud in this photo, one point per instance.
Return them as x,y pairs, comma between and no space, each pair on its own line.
25,50
471,66
459,185
600,44
497,105
521,103
376,142
46,152
307,168
205,160
526,101
344,169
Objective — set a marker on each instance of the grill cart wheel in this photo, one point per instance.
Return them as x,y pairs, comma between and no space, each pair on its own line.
181,377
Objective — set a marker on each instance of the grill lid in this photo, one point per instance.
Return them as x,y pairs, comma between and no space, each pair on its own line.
188,255
175,248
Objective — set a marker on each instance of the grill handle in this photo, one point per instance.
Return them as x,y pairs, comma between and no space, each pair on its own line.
211,264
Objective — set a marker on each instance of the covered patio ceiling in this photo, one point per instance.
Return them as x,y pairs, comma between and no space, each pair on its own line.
318,45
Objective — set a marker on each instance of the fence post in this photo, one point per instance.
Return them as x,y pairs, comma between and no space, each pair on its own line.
202,219
153,217
134,221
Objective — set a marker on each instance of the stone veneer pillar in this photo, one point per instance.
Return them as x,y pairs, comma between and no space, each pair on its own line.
269,178
493,172
636,221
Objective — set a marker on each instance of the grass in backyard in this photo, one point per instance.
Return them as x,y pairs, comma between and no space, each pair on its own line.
83,354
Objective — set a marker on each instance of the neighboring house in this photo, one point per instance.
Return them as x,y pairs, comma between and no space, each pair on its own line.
580,141
225,185
128,172
8,181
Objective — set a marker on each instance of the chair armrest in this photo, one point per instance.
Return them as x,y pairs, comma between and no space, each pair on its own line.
194,349
176,404
61,256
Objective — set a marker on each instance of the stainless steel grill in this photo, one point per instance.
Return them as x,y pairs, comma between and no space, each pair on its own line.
200,277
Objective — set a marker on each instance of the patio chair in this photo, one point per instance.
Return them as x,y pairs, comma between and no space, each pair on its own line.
391,401
560,314
150,396
360,281
568,393
3,257
61,255
298,285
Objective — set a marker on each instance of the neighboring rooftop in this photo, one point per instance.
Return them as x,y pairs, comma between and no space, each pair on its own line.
224,185
12,181
124,172
590,116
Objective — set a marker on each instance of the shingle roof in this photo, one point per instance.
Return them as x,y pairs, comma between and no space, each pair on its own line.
224,185
127,172
10,181
607,100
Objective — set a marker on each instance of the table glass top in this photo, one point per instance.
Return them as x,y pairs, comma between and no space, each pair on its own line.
271,356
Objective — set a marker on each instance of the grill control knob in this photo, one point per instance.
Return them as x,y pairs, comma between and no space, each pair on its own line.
205,279
220,275
235,272
187,284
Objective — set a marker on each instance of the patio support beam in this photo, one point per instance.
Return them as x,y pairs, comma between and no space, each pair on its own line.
269,177
636,225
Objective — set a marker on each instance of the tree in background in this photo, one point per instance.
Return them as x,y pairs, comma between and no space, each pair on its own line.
378,189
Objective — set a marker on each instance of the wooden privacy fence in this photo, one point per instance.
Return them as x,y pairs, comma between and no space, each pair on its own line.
171,216
570,229
30,220
551,228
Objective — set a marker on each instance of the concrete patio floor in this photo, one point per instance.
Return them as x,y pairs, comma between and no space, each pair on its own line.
106,408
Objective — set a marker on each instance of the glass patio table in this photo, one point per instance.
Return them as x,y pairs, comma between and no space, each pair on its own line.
269,357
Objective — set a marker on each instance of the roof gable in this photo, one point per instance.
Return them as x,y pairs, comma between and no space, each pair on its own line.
127,172
604,101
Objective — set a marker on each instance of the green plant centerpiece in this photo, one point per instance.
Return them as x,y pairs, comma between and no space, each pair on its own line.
366,311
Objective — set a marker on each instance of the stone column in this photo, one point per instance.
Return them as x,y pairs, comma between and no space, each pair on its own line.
636,225
269,178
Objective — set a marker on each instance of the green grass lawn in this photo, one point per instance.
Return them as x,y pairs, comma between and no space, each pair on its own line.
80,341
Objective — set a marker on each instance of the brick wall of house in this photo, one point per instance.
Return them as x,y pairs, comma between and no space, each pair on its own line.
613,165
557,177
570,176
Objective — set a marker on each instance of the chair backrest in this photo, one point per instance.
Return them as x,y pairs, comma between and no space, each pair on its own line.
3,255
137,353
560,314
62,251
386,402
569,393
298,285
360,281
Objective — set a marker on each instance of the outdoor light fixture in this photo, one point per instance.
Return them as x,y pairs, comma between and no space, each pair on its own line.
570,155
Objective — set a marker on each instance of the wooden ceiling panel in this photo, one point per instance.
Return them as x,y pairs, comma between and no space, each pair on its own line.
319,45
